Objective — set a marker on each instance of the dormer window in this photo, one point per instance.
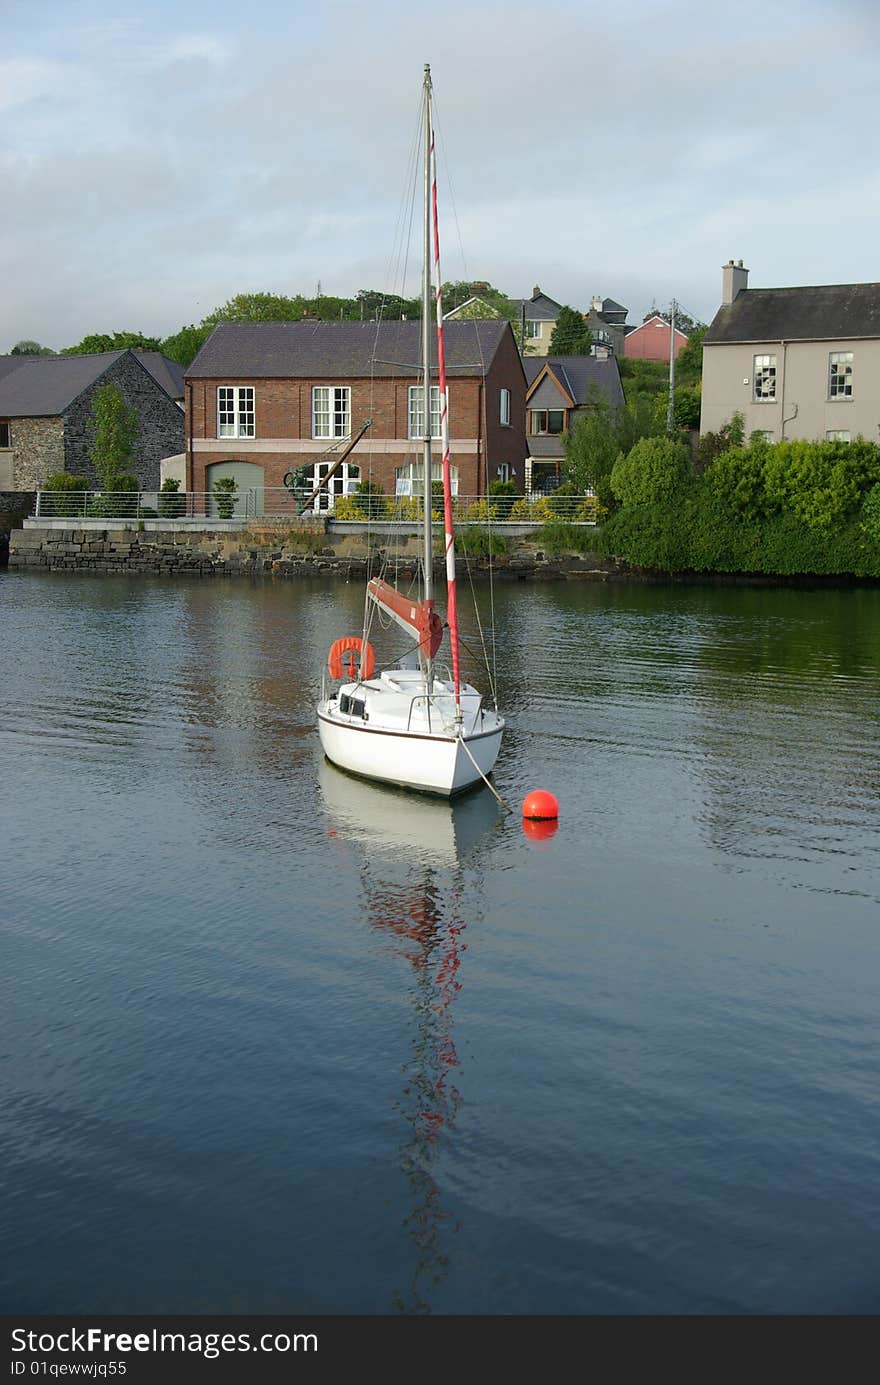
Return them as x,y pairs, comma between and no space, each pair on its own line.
544,421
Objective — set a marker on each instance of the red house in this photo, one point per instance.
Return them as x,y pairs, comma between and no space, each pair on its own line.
650,342
264,399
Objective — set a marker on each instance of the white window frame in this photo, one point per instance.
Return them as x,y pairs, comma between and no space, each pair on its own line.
533,329
504,408
838,435
840,382
408,478
765,434
331,411
415,419
764,379
236,411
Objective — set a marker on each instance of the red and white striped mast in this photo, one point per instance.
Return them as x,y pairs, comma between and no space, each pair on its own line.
431,193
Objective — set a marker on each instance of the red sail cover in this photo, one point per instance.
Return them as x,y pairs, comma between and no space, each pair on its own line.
417,616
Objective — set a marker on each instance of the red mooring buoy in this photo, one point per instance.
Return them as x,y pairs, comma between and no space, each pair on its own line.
541,805
540,829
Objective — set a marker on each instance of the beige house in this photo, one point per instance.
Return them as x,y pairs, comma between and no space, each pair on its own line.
796,362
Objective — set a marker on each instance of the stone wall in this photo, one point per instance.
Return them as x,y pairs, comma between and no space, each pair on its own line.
260,551
161,431
37,451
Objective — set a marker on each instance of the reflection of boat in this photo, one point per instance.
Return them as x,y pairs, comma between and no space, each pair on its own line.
390,822
412,850
407,726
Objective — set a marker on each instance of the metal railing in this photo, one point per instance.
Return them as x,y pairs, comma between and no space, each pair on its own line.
277,502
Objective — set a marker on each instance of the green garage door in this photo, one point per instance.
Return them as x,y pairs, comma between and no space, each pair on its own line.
247,498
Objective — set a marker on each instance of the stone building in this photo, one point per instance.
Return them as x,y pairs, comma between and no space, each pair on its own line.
46,422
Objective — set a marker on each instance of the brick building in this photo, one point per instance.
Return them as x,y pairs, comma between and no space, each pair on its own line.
264,399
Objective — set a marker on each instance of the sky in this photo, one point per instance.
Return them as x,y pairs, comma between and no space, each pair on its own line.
158,159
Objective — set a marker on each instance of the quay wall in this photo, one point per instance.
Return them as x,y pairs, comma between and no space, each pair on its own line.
261,549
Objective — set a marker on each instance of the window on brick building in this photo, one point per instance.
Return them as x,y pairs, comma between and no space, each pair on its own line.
235,411
416,428
409,478
5,437
505,408
331,411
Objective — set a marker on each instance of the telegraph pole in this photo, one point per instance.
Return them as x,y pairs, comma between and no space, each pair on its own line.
670,408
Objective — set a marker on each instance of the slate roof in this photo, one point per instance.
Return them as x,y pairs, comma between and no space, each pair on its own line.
609,306
579,374
340,350
825,312
540,309
44,386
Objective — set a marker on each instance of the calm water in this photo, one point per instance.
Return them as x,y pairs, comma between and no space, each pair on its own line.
274,1040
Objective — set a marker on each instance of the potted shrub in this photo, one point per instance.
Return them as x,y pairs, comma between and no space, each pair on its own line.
171,505
225,492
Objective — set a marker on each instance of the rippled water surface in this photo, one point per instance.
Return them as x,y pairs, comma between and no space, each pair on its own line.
273,1039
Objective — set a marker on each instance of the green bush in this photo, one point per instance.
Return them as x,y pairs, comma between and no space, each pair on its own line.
369,500
67,495
118,499
504,494
171,505
476,542
557,537
870,516
225,492
652,471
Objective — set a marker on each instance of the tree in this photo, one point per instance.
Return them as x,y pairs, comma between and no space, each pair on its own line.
650,472
116,429
119,341
31,348
571,335
186,344
599,437
689,361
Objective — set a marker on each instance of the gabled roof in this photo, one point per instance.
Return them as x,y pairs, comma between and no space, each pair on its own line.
577,375
44,386
609,306
539,308
824,312
341,350
490,311
657,317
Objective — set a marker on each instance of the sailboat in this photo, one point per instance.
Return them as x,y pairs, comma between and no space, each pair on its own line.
407,725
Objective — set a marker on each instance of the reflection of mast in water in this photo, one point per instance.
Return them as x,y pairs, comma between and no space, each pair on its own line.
417,851
433,945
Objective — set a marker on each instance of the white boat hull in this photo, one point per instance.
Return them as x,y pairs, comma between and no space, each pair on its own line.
432,762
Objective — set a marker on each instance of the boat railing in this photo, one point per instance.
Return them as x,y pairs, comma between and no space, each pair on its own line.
428,698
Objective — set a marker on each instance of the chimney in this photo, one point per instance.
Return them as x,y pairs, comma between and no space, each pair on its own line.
596,304
536,293
733,279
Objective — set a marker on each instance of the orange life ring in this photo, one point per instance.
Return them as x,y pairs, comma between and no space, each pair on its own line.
350,644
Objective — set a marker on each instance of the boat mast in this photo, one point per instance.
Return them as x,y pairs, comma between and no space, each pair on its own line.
428,552
449,531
